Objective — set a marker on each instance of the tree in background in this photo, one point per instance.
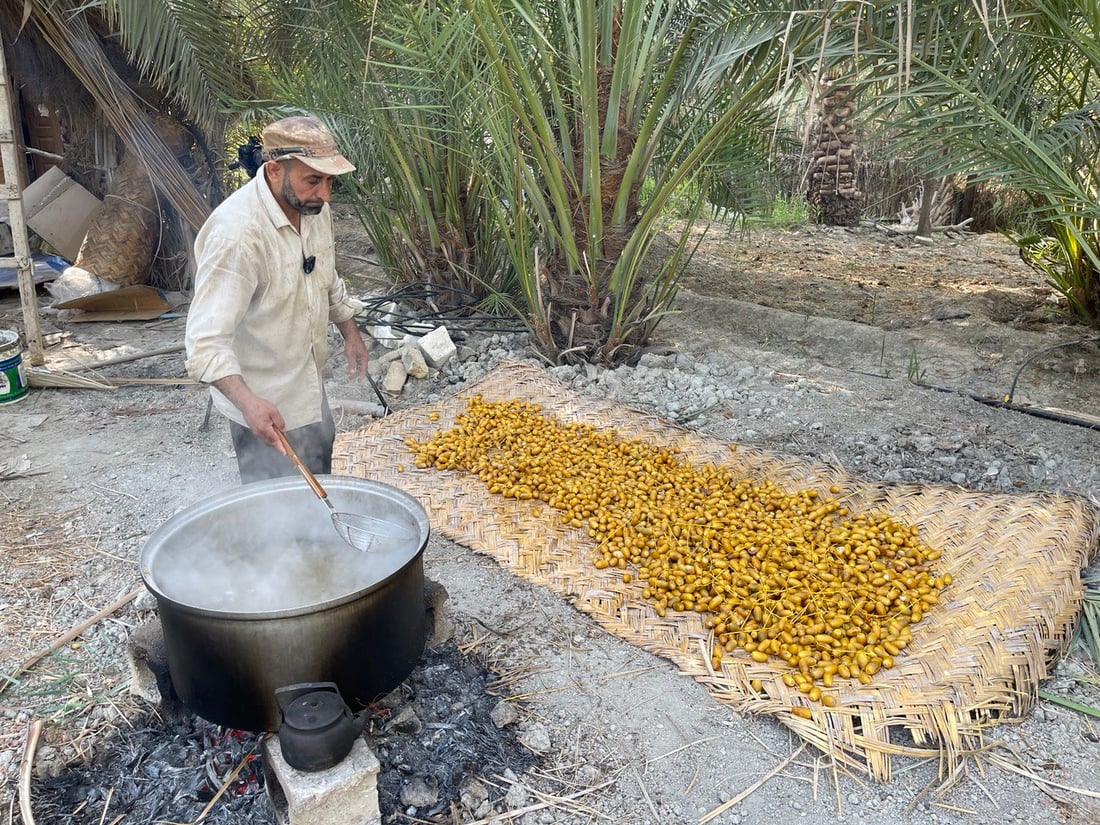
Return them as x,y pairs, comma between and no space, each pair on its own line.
1007,94
526,151
833,189
505,148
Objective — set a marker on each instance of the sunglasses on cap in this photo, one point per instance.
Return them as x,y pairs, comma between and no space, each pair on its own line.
327,151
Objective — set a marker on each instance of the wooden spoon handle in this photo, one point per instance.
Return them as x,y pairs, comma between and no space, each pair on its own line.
302,468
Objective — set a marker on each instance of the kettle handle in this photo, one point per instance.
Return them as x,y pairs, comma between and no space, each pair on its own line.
288,693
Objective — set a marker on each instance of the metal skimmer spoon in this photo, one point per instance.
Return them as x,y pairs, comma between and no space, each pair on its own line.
360,532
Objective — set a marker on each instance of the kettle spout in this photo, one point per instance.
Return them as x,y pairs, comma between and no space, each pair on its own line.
359,721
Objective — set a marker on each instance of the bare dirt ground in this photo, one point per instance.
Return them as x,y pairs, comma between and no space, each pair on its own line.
964,311
804,338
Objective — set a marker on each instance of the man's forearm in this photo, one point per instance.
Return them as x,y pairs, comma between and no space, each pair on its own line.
236,390
349,328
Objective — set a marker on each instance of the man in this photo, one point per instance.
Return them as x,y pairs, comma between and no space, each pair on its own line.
266,289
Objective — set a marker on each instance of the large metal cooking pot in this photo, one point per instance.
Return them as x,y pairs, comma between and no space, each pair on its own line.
256,591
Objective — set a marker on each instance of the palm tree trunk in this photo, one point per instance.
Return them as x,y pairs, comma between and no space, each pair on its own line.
832,185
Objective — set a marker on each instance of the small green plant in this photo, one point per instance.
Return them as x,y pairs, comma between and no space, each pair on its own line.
789,210
781,212
1088,630
1088,710
679,203
73,679
1087,636
915,372
1069,262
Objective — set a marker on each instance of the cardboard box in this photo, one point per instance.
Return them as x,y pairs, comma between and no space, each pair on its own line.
130,303
59,210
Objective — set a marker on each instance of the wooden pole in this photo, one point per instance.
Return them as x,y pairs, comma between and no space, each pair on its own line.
13,192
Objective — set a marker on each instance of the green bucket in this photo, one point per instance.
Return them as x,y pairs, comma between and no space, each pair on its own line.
13,380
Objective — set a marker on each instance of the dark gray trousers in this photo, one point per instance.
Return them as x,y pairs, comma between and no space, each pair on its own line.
257,461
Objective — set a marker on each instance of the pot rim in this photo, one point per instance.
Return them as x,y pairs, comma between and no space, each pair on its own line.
263,489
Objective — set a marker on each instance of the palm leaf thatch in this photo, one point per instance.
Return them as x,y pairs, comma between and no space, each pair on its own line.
71,37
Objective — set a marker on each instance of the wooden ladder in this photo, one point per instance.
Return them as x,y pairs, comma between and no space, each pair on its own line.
12,192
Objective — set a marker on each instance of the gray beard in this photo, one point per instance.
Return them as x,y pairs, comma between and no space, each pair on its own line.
297,205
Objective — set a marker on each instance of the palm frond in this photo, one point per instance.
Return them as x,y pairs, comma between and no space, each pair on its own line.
1013,98
191,49
71,37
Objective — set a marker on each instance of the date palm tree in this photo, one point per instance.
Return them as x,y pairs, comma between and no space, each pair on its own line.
505,148
526,150
1007,93
564,112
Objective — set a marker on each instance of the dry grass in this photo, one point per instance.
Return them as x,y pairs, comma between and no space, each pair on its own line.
78,691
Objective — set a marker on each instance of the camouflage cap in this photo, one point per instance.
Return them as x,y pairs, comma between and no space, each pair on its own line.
306,139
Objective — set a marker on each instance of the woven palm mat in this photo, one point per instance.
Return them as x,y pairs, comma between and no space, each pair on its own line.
977,656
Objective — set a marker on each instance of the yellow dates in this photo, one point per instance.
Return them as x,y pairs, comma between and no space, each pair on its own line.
787,576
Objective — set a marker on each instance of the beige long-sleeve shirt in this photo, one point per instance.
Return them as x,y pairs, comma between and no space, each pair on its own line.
256,313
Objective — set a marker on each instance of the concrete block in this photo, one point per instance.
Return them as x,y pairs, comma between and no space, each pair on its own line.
345,794
386,336
438,348
394,381
413,361
150,680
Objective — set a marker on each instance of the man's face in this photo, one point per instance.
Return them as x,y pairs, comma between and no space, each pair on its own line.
303,189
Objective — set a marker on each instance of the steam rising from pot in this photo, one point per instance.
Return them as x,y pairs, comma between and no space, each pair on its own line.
244,579
262,556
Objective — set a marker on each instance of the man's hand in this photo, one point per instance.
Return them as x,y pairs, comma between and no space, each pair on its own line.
354,348
261,416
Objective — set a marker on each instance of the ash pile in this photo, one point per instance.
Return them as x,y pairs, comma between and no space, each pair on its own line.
446,744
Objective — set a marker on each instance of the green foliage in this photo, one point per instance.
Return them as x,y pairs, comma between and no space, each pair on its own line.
789,211
1088,630
1069,264
503,148
187,48
1013,99
679,205
783,212
594,100
532,151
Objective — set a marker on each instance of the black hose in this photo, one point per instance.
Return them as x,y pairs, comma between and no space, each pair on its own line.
1034,355
455,308
1060,416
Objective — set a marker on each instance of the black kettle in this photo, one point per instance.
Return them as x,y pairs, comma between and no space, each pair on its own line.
318,729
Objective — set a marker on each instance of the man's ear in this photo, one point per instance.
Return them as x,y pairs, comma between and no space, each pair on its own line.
274,170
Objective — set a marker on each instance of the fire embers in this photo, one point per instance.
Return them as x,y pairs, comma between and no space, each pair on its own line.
444,739
162,772
233,766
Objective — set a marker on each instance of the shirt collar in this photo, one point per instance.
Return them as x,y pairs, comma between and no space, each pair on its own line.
267,198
